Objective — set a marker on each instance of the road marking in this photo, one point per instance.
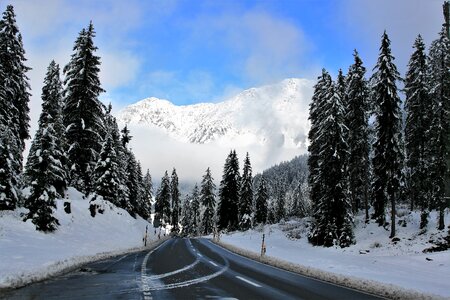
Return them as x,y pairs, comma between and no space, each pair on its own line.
159,276
248,281
145,287
199,254
213,263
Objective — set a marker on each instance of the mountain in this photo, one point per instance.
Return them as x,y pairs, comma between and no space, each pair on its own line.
271,115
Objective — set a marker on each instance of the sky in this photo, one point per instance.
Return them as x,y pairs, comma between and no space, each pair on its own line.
190,51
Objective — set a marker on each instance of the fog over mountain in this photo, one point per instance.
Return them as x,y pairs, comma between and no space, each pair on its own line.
270,122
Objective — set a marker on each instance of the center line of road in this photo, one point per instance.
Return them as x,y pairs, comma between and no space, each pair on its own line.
213,263
248,281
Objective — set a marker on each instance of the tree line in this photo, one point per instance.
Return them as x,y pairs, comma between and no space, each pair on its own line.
409,158
78,142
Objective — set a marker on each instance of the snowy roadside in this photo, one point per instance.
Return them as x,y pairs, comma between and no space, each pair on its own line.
375,264
27,255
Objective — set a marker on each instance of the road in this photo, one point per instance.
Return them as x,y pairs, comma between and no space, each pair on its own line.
182,269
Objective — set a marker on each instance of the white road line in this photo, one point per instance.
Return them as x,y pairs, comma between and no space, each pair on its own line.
213,263
199,254
160,276
248,281
145,287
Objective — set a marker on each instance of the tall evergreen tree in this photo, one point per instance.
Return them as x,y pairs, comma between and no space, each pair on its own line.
208,201
229,193
186,216
133,183
439,78
358,135
83,113
419,111
14,81
148,186
14,110
175,196
388,156
50,124
332,212
316,117
262,198
246,196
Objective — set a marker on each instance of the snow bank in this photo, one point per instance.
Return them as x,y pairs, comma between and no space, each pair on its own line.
398,270
27,255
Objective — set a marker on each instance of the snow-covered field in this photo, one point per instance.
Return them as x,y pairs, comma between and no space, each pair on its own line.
374,259
27,255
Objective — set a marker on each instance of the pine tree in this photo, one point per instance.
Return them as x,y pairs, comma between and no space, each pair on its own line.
144,207
126,137
175,196
332,212
280,198
186,216
195,211
439,78
148,186
262,198
246,196
14,110
357,108
14,81
83,112
316,116
418,109
208,201
229,193
133,184
105,172
50,124
388,156
162,205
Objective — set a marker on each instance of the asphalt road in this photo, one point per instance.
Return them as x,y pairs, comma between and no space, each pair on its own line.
182,269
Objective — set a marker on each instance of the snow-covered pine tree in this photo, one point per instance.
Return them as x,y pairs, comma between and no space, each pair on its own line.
14,98
280,198
388,156
175,197
332,213
186,216
126,137
418,116
439,79
208,202
14,84
148,187
229,193
162,205
262,198
246,196
144,204
50,117
105,172
83,113
195,211
316,116
134,184
356,107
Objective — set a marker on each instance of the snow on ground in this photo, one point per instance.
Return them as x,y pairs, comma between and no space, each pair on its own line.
373,258
27,255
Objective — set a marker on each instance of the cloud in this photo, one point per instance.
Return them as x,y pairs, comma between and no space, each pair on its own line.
403,20
264,48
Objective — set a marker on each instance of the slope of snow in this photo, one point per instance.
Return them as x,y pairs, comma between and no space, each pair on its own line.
273,114
27,255
374,258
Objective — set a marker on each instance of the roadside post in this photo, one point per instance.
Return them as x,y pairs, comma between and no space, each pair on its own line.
263,245
145,236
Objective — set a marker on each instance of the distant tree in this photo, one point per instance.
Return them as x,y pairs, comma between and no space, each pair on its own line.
195,210
229,193
162,205
208,201
388,156
175,196
148,186
439,78
126,137
418,109
262,198
357,108
186,216
246,196
83,112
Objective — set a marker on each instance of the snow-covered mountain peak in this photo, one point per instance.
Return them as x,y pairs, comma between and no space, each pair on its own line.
269,114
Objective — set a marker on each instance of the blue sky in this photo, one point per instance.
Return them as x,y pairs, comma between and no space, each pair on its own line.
192,51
